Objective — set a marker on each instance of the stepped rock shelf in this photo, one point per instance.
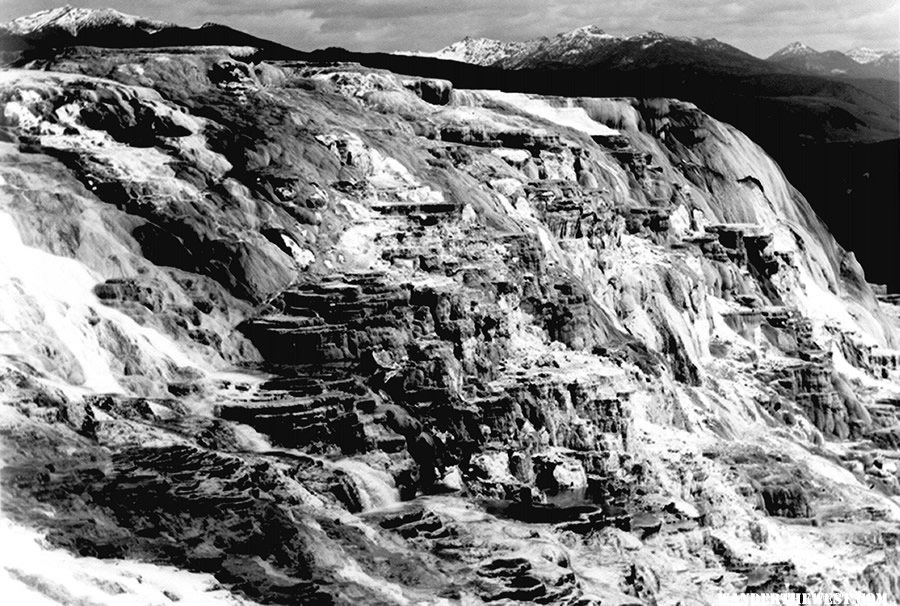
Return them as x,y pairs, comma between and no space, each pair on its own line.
300,333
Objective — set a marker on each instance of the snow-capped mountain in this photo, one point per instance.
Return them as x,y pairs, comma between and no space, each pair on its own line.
886,63
794,49
76,20
583,46
591,45
477,51
69,26
858,62
864,55
575,42
487,51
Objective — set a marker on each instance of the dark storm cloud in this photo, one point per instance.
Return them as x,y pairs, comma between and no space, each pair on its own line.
757,26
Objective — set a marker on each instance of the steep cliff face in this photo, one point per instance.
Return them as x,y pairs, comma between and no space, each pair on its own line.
332,334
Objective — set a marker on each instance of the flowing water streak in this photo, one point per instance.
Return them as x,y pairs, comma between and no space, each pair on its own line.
376,488
59,290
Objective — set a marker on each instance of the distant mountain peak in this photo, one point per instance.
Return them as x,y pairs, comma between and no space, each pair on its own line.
794,49
586,30
865,55
478,51
860,62
74,20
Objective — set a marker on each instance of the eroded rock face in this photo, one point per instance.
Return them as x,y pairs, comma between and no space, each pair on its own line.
327,333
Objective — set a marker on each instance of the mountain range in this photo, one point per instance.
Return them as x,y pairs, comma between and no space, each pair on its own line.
858,62
48,30
584,46
591,45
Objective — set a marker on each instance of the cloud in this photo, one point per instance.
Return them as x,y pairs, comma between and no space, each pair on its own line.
758,26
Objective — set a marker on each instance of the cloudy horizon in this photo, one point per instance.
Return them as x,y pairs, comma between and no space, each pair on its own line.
759,28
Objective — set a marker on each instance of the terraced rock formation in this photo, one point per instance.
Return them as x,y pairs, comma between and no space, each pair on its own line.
316,333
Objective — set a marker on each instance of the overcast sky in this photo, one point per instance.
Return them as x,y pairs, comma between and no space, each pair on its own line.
759,27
